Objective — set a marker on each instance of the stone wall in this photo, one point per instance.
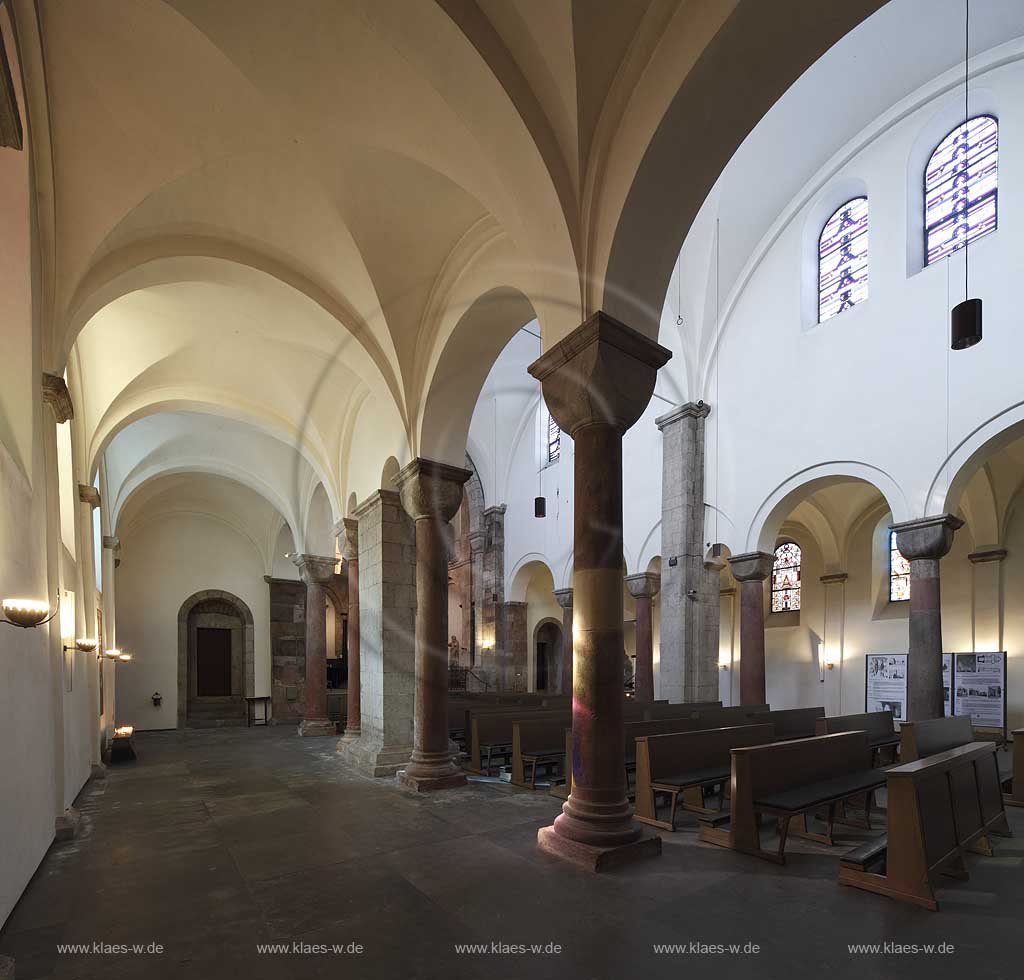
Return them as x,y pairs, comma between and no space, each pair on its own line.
287,651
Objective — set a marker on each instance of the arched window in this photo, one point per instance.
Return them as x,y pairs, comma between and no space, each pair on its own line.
786,578
899,572
554,440
960,188
843,259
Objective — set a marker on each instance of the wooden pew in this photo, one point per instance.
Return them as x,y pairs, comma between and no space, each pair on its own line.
1015,796
939,808
687,762
923,738
788,780
882,733
660,709
632,731
793,723
489,732
536,741
746,714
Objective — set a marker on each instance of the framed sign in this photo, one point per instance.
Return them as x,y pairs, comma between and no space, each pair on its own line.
979,688
947,684
885,688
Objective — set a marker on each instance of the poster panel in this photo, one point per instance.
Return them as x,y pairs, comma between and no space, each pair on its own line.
979,688
886,685
947,684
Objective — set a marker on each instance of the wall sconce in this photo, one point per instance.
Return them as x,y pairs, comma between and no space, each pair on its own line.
28,613
83,645
124,657
723,662
157,699
113,654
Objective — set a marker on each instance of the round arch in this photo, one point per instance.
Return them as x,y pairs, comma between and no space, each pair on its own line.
223,606
764,527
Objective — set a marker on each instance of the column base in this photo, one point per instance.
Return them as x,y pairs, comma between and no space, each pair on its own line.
317,728
371,757
6,968
97,771
351,733
430,784
65,827
593,858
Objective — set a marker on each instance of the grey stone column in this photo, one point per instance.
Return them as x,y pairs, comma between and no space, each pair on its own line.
564,598
316,571
923,542
597,383
350,530
750,570
431,493
689,658
643,588
387,613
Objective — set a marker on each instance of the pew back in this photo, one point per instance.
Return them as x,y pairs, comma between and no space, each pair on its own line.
939,807
746,714
795,722
924,738
878,725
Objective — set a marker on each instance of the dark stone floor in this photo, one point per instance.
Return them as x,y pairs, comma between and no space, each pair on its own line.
216,841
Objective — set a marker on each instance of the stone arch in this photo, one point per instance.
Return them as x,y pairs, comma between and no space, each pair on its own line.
224,606
671,182
764,528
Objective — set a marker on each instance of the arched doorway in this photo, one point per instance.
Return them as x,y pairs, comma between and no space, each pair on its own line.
216,660
547,645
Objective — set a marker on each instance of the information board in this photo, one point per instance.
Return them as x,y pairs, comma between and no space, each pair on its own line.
979,688
947,684
886,686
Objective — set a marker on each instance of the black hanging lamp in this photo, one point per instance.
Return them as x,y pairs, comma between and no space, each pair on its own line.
965,318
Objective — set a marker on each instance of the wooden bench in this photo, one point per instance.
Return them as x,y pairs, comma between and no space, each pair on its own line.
489,733
746,714
939,808
687,763
658,709
632,731
793,723
536,741
924,738
788,780
882,733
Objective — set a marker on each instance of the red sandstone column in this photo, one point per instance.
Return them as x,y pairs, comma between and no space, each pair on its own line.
643,588
564,598
597,383
431,493
750,570
352,711
923,542
316,571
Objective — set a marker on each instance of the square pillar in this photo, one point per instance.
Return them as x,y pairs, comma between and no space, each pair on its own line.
387,614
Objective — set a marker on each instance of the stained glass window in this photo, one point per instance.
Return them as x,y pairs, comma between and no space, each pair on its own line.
786,578
843,259
960,187
554,449
899,572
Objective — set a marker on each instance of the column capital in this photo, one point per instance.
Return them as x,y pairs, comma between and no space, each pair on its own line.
754,566
382,497
926,537
88,495
644,585
688,410
314,569
349,534
983,555
602,373
111,543
833,577
498,510
57,396
431,489
563,597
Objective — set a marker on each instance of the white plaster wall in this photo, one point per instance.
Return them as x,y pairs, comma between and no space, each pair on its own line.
163,562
